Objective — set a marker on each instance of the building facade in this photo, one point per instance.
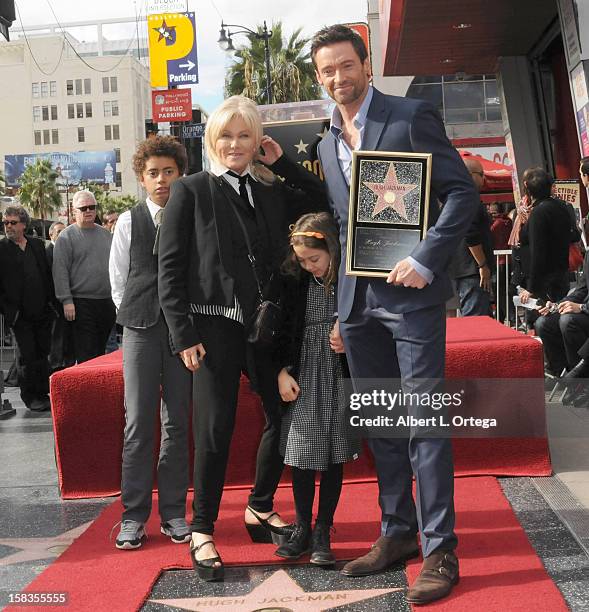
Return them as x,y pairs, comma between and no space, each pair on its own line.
55,100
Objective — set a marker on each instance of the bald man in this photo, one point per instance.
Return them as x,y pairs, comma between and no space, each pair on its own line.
472,265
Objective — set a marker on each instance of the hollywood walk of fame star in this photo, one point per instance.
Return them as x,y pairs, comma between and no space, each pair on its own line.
391,193
34,549
324,133
301,147
278,591
166,32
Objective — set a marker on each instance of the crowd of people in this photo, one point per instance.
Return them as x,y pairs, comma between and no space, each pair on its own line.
183,274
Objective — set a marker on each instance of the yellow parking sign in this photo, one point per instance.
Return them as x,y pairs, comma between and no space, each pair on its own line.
172,49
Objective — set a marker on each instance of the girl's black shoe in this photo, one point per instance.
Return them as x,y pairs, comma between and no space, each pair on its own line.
298,543
321,545
265,533
206,568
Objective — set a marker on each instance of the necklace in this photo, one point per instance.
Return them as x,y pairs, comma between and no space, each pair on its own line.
318,281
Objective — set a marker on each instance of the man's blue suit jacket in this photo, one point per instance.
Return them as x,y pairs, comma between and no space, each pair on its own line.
408,125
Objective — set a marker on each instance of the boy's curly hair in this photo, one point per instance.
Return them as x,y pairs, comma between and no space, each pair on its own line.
159,146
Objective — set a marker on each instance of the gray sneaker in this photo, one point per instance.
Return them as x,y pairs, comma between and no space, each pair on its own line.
177,529
132,535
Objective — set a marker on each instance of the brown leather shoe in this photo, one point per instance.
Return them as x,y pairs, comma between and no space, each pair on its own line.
386,551
438,575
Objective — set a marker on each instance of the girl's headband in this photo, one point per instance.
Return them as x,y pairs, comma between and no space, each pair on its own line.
309,235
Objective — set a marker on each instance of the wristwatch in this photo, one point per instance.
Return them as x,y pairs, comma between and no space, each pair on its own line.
585,308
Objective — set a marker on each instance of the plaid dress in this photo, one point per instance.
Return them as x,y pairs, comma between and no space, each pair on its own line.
314,433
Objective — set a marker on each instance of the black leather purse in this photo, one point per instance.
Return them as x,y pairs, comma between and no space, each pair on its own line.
264,325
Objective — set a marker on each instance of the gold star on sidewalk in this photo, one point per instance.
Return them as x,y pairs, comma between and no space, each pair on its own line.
391,193
33,549
301,147
277,592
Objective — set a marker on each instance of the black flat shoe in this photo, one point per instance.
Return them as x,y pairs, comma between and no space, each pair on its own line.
298,543
205,568
321,546
264,532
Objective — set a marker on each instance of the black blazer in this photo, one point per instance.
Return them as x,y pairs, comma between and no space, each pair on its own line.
195,247
11,278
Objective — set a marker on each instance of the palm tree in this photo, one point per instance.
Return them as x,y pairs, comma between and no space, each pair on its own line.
38,189
291,69
2,184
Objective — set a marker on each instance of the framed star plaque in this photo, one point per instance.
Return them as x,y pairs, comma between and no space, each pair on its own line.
389,202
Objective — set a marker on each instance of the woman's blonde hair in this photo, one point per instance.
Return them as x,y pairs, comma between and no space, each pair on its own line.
246,109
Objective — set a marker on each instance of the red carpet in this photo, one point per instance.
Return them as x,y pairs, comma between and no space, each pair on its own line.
499,569
88,415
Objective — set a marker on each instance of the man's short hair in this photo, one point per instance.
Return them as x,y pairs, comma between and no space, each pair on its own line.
585,165
336,34
159,146
82,195
538,183
54,225
17,211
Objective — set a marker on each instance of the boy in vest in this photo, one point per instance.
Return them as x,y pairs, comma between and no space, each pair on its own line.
156,382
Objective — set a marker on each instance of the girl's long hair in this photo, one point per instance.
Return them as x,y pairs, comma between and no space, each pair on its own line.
324,224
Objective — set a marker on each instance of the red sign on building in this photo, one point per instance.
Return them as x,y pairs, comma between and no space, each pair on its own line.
171,105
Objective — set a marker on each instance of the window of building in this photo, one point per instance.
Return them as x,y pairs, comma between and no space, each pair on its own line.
460,98
37,134
88,109
79,110
107,132
106,106
115,108
53,112
118,179
118,156
44,89
69,86
35,90
78,87
45,113
87,86
81,135
53,88
109,85
36,113
46,137
54,137
115,132
71,111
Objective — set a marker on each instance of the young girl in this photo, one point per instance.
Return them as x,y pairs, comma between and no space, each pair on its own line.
314,434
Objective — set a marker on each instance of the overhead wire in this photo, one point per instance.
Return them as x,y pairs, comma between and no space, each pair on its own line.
31,50
81,58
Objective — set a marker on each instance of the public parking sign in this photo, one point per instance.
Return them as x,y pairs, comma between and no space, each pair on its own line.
172,49
171,105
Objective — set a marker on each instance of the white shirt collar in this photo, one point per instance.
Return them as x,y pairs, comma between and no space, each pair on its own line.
359,117
220,170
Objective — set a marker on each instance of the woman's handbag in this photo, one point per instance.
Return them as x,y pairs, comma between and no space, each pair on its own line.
265,323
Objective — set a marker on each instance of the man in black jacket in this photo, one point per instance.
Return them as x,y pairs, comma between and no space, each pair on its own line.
26,301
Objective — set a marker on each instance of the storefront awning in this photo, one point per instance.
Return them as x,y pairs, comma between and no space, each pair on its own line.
423,37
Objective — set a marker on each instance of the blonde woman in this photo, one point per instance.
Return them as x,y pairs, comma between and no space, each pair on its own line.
209,291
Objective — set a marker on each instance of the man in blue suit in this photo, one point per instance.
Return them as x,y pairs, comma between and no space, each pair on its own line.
394,328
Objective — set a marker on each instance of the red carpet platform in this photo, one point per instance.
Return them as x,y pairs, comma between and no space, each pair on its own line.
498,566
88,415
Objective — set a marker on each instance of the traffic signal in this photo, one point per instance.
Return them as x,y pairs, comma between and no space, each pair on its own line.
7,16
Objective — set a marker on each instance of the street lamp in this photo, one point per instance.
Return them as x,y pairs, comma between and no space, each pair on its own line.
226,43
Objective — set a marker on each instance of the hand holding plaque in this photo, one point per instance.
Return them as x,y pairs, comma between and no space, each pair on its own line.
389,199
